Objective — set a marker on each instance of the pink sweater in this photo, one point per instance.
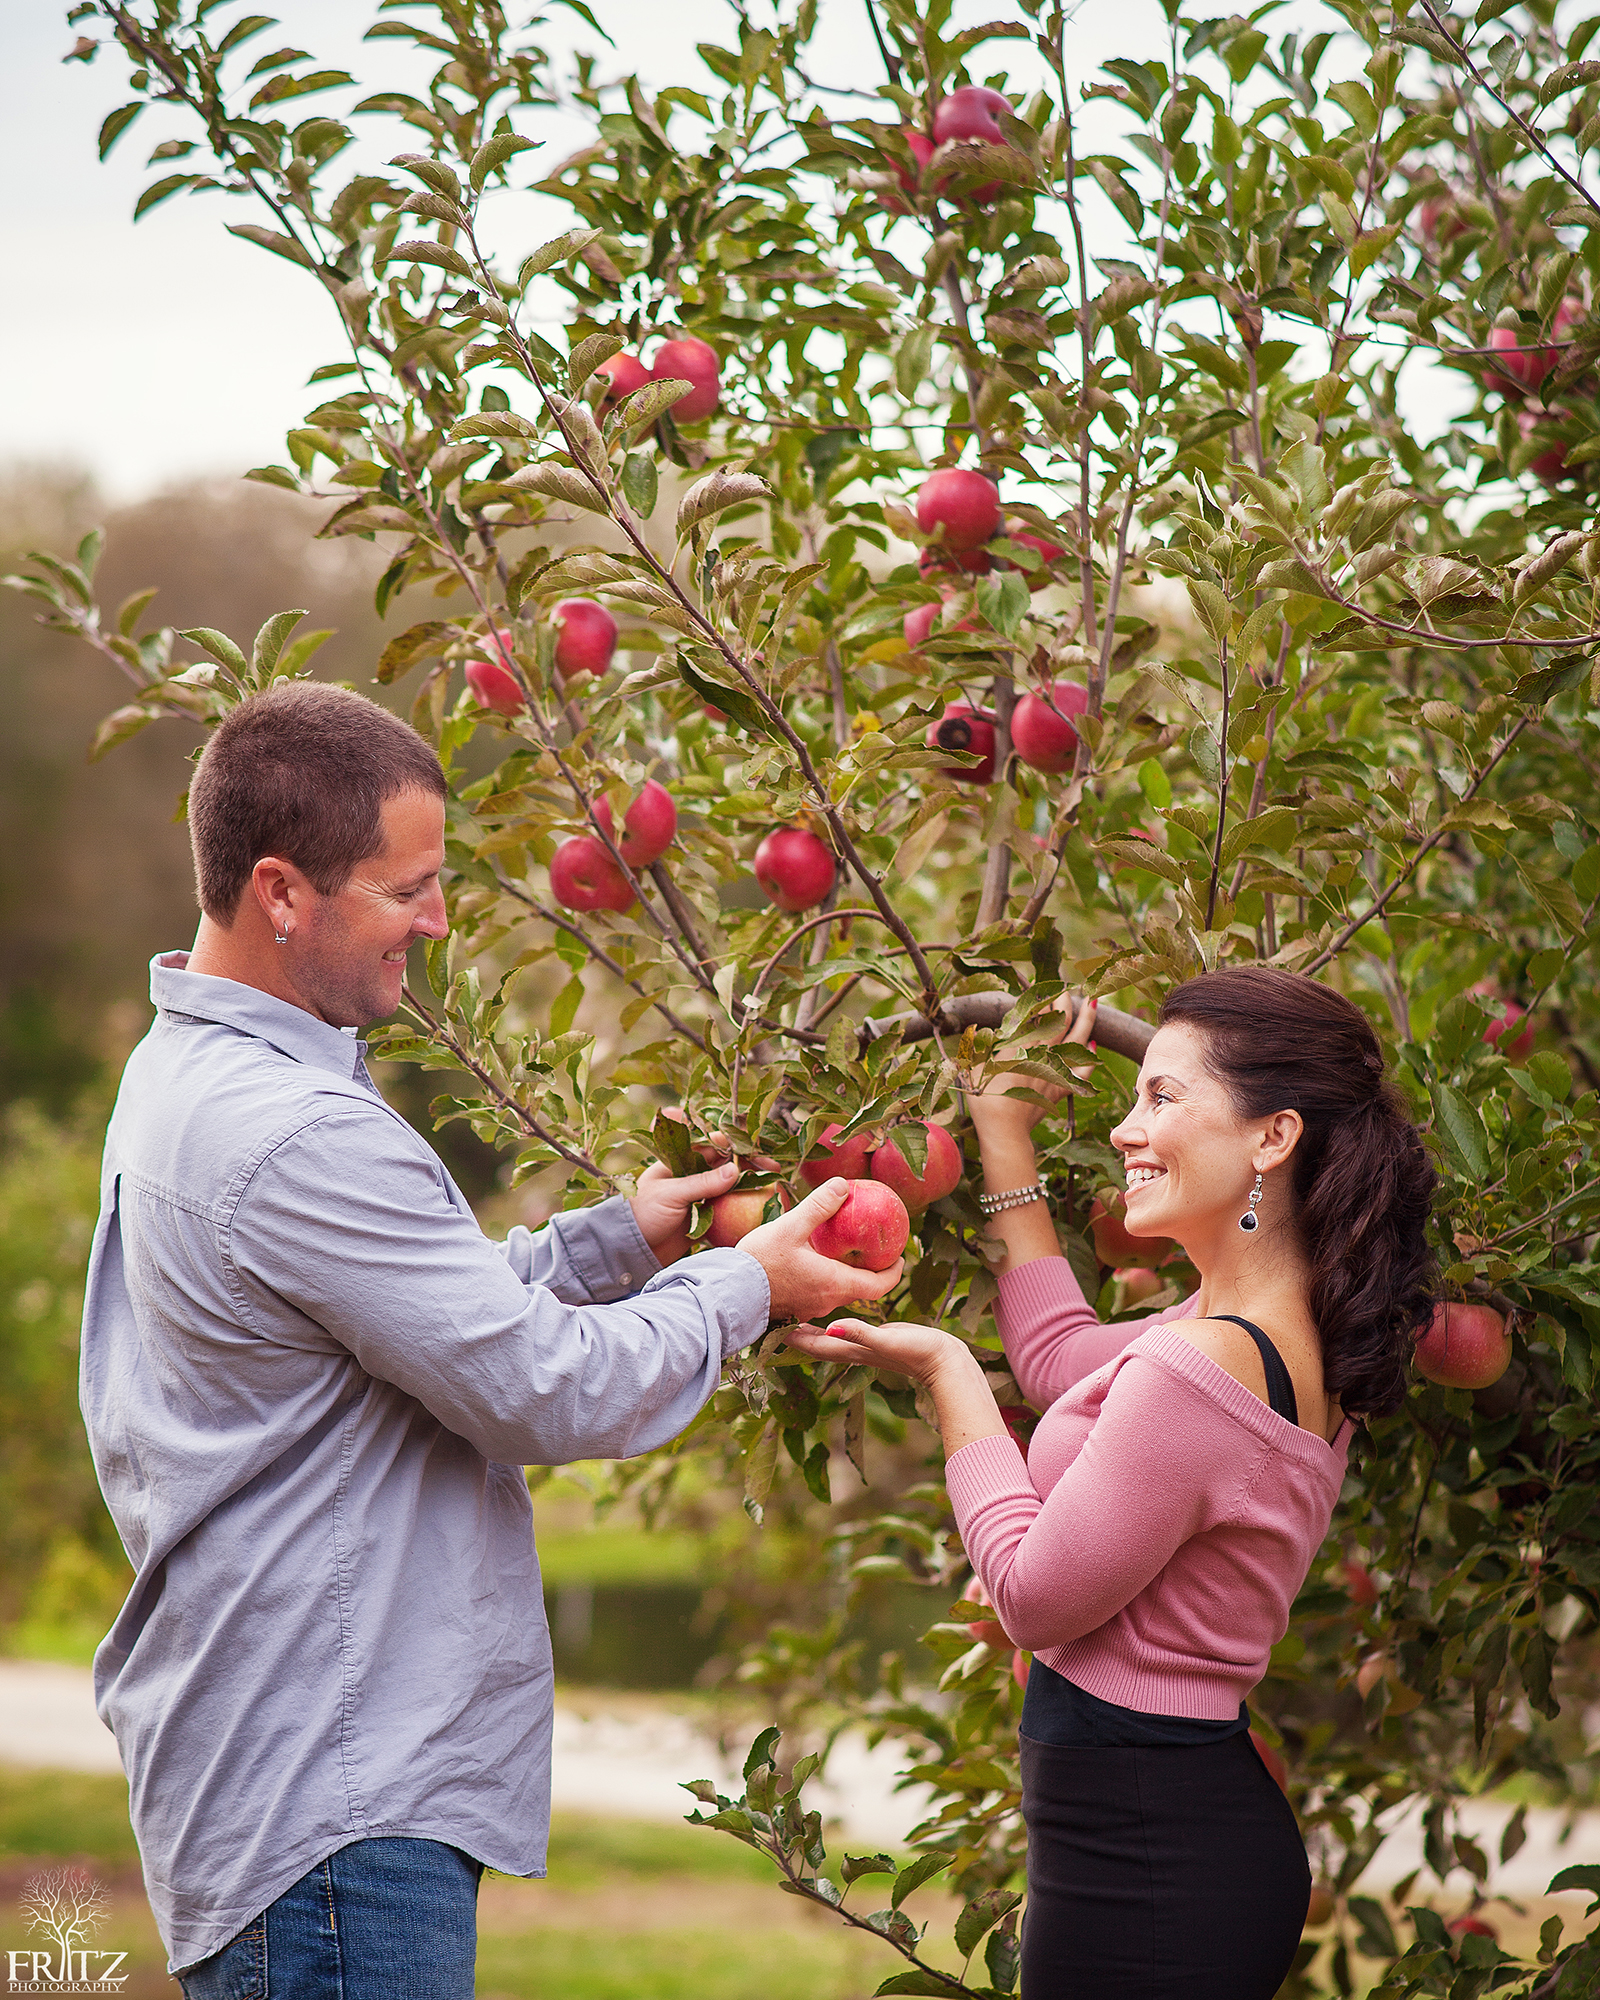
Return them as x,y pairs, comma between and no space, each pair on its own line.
1151,1544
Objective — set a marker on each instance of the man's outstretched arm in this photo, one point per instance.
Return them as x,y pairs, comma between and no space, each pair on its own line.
346,1236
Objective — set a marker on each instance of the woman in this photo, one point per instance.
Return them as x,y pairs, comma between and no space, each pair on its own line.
1182,1479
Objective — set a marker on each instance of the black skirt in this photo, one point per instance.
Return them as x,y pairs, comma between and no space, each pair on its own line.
1166,1873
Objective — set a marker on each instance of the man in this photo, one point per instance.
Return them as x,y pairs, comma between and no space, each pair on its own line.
311,1384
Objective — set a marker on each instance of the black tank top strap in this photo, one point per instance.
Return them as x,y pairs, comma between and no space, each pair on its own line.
1280,1390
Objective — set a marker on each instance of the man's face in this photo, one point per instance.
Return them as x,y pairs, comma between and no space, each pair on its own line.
349,956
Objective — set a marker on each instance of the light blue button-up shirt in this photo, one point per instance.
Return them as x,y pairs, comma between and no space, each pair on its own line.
310,1383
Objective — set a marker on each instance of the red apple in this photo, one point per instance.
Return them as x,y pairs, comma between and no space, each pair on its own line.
1322,1905
795,868
734,1215
1138,1283
970,113
1358,1581
1522,1043
588,636
583,876
1471,1927
1041,734
869,1231
690,360
1114,1243
830,1161
990,1632
1529,365
961,728
625,372
649,826
1048,553
963,504
1465,1346
1020,1662
1277,1769
941,1171
1374,1668
494,686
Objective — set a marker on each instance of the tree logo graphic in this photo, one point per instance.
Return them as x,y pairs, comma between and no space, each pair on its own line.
63,1909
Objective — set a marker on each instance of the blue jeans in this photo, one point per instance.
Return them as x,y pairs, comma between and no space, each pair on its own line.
378,1920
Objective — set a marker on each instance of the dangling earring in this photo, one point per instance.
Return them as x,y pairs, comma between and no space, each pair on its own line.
1249,1220
283,938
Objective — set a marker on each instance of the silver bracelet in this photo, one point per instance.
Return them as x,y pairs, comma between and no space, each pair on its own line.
994,1204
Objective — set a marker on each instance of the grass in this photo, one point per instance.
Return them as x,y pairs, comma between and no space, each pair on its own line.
632,1910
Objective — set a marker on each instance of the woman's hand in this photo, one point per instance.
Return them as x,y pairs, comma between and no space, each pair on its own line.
661,1207
993,1111
917,1351
963,1402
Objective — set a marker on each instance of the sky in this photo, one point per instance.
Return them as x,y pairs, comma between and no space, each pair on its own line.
151,353
155,353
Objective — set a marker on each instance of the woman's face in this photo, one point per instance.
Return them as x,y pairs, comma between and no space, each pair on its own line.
1189,1158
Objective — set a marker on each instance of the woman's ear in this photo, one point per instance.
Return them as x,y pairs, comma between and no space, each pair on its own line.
1279,1137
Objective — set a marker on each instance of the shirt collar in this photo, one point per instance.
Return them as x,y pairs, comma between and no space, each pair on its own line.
290,1029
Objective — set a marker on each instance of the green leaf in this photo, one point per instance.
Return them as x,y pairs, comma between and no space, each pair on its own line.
161,189
587,356
559,250
414,644
981,1915
911,1143
421,250
494,153
1463,1128
639,483
921,1982
1003,600
565,1005
652,400
915,1873
1211,607
299,651
118,726
220,647
116,124
270,239
762,1751
715,494
1155,784
1586,1875
853,1866
270,642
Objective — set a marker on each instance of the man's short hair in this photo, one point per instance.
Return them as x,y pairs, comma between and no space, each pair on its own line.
300,772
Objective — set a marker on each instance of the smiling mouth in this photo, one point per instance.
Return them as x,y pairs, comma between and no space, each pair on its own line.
1139,1177
396,957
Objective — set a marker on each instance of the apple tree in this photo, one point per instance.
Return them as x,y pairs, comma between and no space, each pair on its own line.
905,548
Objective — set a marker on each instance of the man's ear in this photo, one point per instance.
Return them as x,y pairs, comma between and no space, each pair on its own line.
281,891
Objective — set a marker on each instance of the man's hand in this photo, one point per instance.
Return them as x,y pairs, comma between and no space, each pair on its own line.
804,1283
661,1207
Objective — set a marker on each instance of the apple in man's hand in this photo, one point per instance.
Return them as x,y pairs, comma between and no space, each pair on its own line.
495,687
1465,1346
795,868
869,1230
583,876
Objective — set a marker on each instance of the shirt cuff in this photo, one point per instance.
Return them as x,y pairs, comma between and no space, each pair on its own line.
606,1249
737,1295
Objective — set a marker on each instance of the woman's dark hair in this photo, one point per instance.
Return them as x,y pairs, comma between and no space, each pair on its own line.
1362,1179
